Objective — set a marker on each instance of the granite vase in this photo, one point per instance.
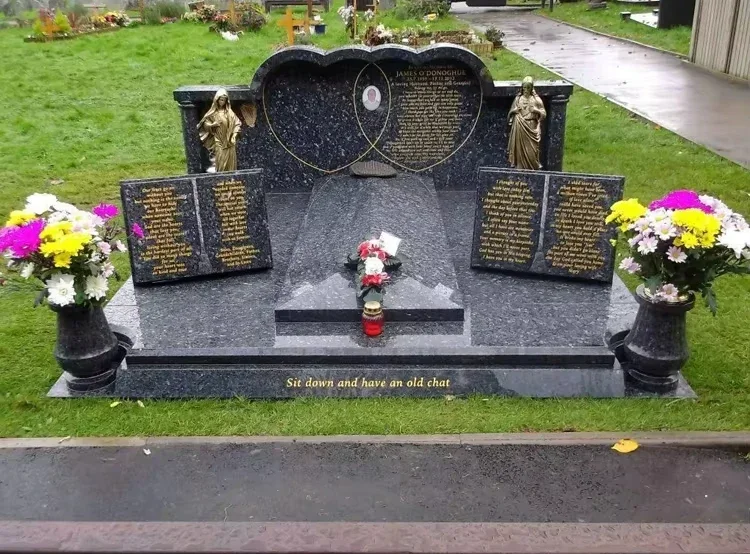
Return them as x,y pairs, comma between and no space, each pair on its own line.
86,346
656,347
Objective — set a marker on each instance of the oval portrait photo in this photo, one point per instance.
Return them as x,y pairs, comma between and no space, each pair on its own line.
371,98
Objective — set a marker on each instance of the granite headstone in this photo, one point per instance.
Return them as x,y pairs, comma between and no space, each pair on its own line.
196,225
434,111
545,222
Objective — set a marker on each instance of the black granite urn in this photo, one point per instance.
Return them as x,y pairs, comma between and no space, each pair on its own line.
656,347
86,347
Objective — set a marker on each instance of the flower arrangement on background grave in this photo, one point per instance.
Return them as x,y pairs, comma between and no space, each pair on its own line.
422,36
51,24
372,263
681,243
110,19
67,249
347,16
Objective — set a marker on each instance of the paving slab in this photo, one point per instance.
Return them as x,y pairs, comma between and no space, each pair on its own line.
702,107
272,482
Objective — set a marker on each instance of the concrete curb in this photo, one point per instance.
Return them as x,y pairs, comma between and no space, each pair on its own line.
381,538
615,37
739,440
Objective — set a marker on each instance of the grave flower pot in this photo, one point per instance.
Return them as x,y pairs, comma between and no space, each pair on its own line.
86,346
656,347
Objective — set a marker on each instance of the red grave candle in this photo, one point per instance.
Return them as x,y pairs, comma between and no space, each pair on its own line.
372,319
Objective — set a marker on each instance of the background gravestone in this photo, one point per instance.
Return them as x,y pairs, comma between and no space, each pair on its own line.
435,111
545,222
197,225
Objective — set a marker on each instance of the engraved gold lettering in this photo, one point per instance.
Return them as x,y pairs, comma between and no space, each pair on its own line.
165,240
430,111
578,223
507,229
236,251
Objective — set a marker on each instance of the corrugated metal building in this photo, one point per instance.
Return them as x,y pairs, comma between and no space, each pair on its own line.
721,36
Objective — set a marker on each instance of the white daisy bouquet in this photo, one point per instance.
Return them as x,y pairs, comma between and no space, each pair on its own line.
65,248
681,243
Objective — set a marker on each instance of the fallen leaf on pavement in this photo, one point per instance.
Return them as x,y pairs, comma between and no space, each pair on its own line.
625,446
146,451
64,439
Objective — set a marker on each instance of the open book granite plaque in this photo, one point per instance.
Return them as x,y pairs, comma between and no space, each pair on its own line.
545,222
196,225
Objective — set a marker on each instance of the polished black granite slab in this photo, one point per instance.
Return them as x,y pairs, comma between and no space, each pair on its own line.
343,211
521,335
435,110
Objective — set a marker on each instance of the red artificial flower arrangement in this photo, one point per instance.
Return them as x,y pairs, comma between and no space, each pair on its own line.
372,263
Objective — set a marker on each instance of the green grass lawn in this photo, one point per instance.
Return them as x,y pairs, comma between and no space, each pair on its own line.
608,21
97,109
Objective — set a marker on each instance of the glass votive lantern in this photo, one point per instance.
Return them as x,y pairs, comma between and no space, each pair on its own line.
372,319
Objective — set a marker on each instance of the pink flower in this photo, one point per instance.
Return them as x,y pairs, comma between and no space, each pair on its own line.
106,211
630,265
104,247
138,231
25,240
680,200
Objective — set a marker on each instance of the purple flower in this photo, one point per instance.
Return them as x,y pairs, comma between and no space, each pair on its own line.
106,211
680,200
5,238
138,231
25,240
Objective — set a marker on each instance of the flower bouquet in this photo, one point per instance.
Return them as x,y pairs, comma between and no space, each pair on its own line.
372,263
681,243
65,248
68,251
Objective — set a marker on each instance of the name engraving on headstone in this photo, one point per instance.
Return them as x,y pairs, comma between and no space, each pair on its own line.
545,222
228,232
578,222
506,228
165,244
433,113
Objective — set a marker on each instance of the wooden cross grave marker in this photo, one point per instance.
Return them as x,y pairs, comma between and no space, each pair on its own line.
232,15
289,23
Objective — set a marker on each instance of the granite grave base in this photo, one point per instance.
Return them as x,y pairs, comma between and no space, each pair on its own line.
520,335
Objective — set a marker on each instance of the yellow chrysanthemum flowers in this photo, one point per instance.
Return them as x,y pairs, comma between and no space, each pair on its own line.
626,212
699,228
19,217
56,231
70,244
